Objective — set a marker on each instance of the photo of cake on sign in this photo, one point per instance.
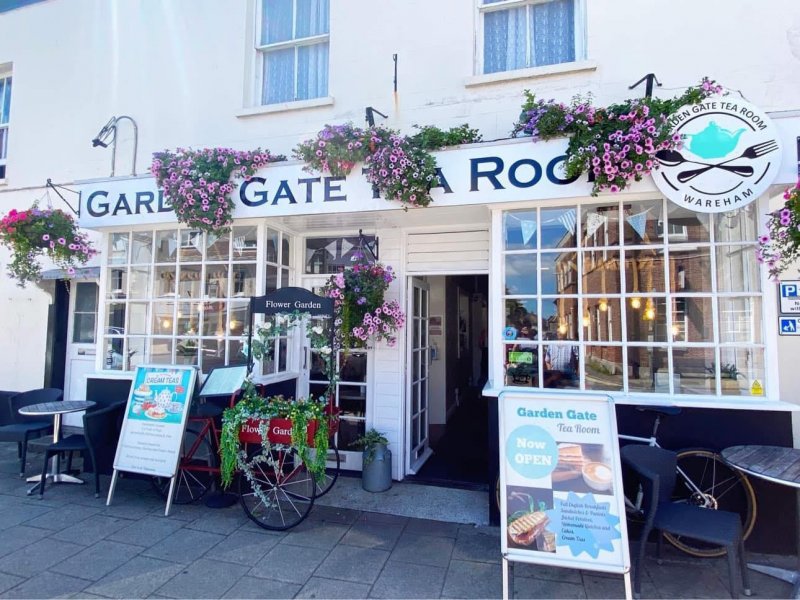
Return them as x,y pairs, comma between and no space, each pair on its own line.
582,468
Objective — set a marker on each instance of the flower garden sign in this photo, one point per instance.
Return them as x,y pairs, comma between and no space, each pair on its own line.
150,441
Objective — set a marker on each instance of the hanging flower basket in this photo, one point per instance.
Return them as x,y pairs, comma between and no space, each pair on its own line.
53,233
779,248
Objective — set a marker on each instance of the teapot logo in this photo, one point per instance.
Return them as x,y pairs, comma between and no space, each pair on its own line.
730,156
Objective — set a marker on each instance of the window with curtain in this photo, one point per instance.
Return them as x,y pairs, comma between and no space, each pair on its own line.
518,34
5,108
292,46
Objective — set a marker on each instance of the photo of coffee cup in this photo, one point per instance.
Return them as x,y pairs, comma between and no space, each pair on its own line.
597,476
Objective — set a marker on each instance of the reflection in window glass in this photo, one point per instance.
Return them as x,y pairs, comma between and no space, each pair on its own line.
561,366
164,281
160,350
218,247
739,370
740,320
694,370
644,270
642,222
684,225
520,229
648,368
522,321
118,248
690,269
245,243
522,365
331,254
558,227
520,274
740,225
601,272
192,243
561,319
559,272
142,248
737,269
692,319
601,320
599,226
166,246
140,282
603,368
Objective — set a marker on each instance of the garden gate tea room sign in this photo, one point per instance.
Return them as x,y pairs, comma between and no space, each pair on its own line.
561,496
155,419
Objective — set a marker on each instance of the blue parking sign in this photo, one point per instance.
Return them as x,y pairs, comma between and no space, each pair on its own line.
789,325
790,297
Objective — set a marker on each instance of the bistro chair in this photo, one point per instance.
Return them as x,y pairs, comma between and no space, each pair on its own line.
97,444
15,427
656,469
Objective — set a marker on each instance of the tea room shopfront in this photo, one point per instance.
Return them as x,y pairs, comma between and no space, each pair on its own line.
626,294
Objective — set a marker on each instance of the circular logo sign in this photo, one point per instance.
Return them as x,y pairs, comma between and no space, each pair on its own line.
532,452
730,155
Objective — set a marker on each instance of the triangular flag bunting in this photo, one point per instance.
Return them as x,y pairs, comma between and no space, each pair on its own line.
567,219
331,249
593,222
638,222
528,230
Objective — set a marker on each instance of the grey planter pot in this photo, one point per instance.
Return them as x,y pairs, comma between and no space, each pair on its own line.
376,476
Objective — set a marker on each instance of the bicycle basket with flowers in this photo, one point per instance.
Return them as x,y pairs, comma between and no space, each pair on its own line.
362,312
49,232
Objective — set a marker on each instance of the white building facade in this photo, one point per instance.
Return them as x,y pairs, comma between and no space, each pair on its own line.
685,316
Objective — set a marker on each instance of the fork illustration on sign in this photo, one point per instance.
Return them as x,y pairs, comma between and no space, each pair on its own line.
754,151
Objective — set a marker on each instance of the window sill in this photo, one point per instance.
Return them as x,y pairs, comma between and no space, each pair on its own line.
284,107
532,73
3,182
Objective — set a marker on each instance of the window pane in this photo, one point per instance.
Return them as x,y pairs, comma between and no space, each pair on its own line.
737,269
312,71
239,317
216,281
164,282
186,351
603,368
273,241
560,318
213,354
520,229
191,246
115,318
163,318
522,365
189,284
137,324
520,274
83,328
600,272
86,297
3,143
285,251
278,76
118,248
553,37
276,21
644,270
600,225
522,320
642,222
558,226
740,320
166,246
561,366
160,351
354,367
214,317
140,282
236,352
648,369
601,320
694,370
5,100
559,272
690,269
136,352
244,281
312,18
112,354
245,243
649,322
739,225
692,320
218,248
189,316
117,283
142,248
504,40
684,225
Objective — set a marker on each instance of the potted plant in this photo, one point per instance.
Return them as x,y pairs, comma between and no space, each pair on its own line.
50,232
376,473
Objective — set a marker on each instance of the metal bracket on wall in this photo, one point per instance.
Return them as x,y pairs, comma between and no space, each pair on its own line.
648,90
55,188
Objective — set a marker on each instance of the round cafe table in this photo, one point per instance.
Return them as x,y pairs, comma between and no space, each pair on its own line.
778,465
56,409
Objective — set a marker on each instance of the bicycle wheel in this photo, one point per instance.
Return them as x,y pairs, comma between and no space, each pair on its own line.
279,491
191,485
331,474
705,480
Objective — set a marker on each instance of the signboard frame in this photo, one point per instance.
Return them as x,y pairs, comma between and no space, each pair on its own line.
226,374
134,411
794,330
555,406
789,304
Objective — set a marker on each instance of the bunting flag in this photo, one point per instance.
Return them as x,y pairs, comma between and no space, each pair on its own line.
346,247
528,230
567,219
638,222
172,246
238,244
593,222
331,249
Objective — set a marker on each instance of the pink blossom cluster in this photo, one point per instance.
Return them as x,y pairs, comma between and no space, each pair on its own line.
401,170
198,182
779,248
381,324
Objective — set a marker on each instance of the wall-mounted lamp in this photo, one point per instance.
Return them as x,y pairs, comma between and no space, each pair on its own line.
108,135
636,303
603,305
649,311
370,115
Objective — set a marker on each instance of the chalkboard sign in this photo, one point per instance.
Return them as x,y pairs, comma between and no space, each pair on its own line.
223,381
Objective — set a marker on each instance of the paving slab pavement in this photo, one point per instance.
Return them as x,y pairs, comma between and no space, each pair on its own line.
71,545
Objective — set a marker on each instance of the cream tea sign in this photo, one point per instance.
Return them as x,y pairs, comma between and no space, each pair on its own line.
731,154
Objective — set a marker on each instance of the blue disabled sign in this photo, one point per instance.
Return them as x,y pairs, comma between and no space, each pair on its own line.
790,298
789,325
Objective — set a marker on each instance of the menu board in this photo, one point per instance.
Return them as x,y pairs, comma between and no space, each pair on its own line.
155,417
224,381
561,496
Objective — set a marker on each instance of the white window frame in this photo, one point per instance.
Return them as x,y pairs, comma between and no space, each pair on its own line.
262,49
483,9
5,76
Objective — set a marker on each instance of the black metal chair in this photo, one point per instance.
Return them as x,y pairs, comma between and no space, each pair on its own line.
15,427
97,444
656,469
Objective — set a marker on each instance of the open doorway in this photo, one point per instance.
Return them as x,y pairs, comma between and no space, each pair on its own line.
457,416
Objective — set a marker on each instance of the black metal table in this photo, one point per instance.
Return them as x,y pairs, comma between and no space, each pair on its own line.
56,409
778,465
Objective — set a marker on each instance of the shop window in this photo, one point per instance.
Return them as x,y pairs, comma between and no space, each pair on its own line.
292,46
530,33
597,297
5,112
331,254
182,296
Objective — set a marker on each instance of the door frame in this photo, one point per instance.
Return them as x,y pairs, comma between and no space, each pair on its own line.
413,467
87,349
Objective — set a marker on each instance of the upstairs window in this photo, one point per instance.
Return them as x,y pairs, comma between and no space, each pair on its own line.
5,109
292,45
518,34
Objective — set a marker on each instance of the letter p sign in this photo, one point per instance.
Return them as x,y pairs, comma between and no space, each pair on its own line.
788,290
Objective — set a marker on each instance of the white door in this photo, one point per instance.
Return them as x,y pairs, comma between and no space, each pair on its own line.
418,372
81,348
